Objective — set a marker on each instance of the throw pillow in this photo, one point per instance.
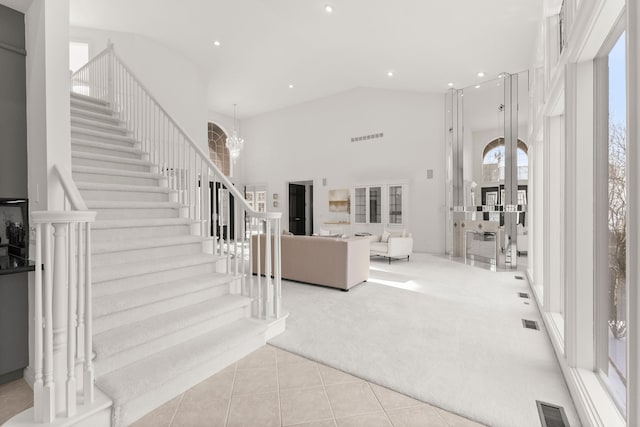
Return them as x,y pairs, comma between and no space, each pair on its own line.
385,237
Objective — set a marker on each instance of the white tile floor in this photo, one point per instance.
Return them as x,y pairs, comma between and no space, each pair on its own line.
272,387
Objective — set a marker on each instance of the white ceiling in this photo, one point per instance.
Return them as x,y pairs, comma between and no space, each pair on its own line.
267,45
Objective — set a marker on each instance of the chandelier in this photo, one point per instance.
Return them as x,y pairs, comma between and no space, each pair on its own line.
234,142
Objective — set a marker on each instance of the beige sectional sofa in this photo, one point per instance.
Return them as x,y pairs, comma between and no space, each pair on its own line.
328,261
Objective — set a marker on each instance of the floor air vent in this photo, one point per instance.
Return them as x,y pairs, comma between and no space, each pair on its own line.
523,295
530,324
519,277
552,415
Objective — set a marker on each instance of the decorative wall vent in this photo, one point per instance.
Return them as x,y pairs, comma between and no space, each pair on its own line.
530,324
366,138
552,415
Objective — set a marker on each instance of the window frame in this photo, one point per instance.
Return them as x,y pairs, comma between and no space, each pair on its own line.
601,252
367,204
385,205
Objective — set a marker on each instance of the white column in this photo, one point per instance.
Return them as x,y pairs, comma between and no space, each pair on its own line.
48,122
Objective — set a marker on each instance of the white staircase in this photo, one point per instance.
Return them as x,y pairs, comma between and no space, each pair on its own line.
166,314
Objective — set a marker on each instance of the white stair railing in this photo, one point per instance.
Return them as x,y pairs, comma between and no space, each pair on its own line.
190,172
62,307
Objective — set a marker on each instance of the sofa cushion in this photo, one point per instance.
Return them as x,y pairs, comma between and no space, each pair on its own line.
385,237
399,233
378,247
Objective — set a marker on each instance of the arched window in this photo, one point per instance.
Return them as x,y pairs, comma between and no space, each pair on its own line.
493,161
218,151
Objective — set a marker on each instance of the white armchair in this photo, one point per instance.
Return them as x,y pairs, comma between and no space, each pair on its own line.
392,245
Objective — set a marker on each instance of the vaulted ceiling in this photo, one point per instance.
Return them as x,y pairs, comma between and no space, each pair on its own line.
268,45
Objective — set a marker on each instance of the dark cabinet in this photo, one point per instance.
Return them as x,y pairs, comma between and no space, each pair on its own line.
14,329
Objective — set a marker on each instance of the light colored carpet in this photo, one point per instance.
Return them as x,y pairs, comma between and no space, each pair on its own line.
442,332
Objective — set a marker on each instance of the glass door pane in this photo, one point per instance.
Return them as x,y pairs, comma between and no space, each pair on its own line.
375,205
361,205
395,204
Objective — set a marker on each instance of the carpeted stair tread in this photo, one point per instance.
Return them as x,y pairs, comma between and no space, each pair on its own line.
111,303
108,158
106,117
126,270
120,339
147,374
96,122
106,146
99,134
129,245
101,126
90,99
122,187
124,204
118,172
138,222
89,106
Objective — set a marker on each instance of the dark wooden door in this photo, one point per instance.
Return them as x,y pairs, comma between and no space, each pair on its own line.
297,217
225,224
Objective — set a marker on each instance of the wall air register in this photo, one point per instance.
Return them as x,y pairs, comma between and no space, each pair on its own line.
530,324
552,415
367,138
523,295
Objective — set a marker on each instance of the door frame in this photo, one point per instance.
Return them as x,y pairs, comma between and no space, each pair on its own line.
312,194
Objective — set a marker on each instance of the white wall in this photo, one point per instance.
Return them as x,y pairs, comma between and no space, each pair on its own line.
312,141
176,82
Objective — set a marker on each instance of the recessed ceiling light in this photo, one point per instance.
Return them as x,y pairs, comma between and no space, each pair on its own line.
216,43
328,8
480,74
389,73
450,84
477,86
290,86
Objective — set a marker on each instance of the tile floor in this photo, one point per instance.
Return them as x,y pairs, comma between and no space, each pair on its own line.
272,387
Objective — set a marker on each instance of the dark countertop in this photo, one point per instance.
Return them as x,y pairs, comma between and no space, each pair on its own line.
11,264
